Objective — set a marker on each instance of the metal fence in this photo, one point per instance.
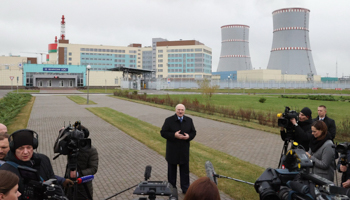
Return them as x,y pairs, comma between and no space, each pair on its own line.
160,84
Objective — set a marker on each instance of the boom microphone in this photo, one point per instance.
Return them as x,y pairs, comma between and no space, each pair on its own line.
148,172
85,179
209,169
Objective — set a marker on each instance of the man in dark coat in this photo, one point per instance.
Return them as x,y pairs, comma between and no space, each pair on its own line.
178,130
301,132
88,164
22,145
322,111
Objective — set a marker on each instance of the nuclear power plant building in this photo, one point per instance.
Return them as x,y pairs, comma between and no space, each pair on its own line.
234,48
291,51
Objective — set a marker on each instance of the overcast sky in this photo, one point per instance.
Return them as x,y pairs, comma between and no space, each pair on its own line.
29,26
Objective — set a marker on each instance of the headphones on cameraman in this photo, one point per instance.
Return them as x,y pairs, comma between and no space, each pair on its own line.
35,139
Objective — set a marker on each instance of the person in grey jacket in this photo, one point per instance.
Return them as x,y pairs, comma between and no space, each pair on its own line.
321,151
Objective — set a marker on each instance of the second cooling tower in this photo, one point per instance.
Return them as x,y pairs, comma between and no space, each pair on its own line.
234,48
291,51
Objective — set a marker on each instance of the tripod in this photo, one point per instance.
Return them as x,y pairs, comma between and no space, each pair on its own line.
72,165
287,141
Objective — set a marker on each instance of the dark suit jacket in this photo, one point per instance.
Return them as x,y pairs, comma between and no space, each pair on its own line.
177,151
330,125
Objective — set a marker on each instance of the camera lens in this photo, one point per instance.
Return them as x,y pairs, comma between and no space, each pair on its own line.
266,192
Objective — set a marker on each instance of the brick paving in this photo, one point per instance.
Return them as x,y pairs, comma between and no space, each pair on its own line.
122,159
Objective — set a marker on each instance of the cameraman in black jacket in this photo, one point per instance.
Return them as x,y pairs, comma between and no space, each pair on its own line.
301,132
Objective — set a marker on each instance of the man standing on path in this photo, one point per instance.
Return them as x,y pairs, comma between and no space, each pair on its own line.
178,130
322,111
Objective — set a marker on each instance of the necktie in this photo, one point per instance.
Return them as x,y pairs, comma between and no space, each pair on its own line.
180,119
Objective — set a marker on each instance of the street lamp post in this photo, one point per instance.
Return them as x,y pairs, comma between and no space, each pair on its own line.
88,68
20,66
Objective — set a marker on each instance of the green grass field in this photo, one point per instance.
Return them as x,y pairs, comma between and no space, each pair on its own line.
335,109
80,100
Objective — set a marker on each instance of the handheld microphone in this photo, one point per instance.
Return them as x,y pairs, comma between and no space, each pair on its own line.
84,179
148,172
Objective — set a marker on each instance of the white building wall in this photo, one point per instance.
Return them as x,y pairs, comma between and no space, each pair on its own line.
105,78
9,67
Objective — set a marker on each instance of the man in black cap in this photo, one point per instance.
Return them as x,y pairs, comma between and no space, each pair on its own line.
302,128
22,144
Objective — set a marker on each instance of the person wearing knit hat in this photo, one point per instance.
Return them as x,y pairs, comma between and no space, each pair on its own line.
301,131
22,145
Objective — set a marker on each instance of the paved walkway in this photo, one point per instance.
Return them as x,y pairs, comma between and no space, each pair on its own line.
257,147
122,158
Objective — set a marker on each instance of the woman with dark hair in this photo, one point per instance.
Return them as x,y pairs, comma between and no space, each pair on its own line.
9,185
321,151
202,189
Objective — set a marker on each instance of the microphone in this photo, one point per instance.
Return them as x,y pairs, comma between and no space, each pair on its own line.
148,172
84,179
209,169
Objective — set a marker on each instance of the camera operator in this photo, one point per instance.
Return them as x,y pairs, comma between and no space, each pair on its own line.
344,168
22,144
321,151
88,164
301,132
9,186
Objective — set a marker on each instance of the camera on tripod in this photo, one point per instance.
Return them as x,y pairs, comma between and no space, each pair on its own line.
284,118
343,148
295,182
71,139
36,189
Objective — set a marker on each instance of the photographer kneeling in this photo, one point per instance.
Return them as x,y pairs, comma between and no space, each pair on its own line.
22,144
301,130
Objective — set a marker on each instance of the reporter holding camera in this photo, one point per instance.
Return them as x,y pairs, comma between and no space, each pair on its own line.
9,186
302,129
22,144
321,151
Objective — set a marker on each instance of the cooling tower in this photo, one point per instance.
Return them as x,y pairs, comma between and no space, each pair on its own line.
291,51
234,48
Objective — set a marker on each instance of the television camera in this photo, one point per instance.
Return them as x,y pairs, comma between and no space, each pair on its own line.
295,182
71,139
152,188
343,148
284,118
36,189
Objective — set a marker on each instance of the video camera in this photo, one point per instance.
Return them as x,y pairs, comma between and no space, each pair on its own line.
284,118
151,188
71,139
343,148
295,182
35,189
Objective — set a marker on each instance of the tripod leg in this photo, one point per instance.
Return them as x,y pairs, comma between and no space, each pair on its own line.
284,150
